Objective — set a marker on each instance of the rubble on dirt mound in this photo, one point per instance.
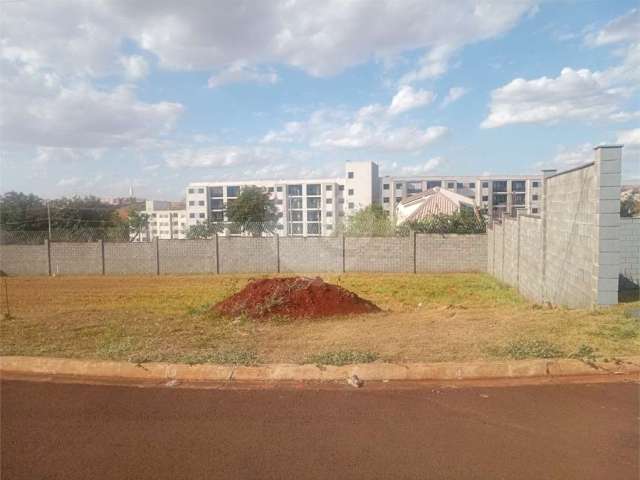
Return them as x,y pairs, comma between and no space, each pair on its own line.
293,297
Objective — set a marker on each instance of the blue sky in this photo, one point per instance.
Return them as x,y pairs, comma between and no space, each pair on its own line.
101,96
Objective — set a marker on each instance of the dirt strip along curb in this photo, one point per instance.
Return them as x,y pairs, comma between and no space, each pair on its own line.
270,372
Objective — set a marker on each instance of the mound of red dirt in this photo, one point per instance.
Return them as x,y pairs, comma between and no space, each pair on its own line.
293,297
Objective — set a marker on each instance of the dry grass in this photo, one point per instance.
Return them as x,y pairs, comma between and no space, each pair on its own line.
426,318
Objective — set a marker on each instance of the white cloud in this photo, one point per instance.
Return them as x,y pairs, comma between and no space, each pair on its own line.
433,64
40,110
621,29
241,72
408,99
574,94
136,67
629,137
571,157
321,38
220,156
421,169
455,94
68,182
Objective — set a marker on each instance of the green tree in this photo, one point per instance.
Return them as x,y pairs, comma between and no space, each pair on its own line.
138,224
21,211
372,221
253,211
464,221
204,230
629,207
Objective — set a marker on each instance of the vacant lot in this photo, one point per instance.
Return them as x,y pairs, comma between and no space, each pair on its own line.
426,318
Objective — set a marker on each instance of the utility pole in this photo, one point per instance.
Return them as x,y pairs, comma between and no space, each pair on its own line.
49,218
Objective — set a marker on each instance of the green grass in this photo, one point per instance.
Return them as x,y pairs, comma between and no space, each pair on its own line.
342,358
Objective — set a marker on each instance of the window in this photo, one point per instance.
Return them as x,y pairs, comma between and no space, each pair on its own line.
328,214
328,188
217,204
472,185
329,201
460,186
349,174
191,203
201,203
535,197
278,189
350,191
414,187
296,228
295,203
518,186
217,216
296,216
351,206
535,184
174,214
201,215
341,200
313,189
500,186
216,192
294,190
398,199
313,216
153,215
313,228
485,198
385,200
341,188
485,184
328,227
233,191
451,185
341,214
192,215
433,184
398,186
201,190
518,199
270,189
191,190
499,198
534,210
313,202
385,186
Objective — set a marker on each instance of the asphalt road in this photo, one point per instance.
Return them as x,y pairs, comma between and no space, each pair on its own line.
73,431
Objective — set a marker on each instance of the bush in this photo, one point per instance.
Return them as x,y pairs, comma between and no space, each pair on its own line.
463,221
521,349
342,357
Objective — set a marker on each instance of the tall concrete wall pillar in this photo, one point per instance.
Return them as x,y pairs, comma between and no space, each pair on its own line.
608,161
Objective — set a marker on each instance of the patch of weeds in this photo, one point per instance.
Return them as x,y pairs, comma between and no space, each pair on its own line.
223,357
586,353
342,357
200,309
627,329
521,349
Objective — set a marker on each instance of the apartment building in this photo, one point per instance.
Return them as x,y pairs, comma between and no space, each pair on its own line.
167,220
316,207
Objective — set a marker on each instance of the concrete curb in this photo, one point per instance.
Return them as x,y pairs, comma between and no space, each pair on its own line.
45,366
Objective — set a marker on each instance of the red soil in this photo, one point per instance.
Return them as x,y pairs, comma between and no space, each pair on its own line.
294,297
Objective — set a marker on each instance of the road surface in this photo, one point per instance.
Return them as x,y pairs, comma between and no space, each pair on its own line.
75,431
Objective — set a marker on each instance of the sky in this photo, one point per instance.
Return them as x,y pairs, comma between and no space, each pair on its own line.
97,96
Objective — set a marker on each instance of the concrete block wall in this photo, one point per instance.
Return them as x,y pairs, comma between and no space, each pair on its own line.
575,252
530,265
76,258
24,259
311,254
131,258
630,249
187,256
247,254
451,253
379,254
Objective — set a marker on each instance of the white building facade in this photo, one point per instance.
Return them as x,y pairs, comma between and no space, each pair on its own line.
317,207
167,220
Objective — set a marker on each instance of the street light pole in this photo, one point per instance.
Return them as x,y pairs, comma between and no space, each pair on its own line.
49,219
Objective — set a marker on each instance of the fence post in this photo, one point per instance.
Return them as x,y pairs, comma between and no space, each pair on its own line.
413,234
277,235
343,254
47,245
217,255
101,245
156,241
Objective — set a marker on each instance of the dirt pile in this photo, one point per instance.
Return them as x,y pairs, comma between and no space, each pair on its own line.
293,297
